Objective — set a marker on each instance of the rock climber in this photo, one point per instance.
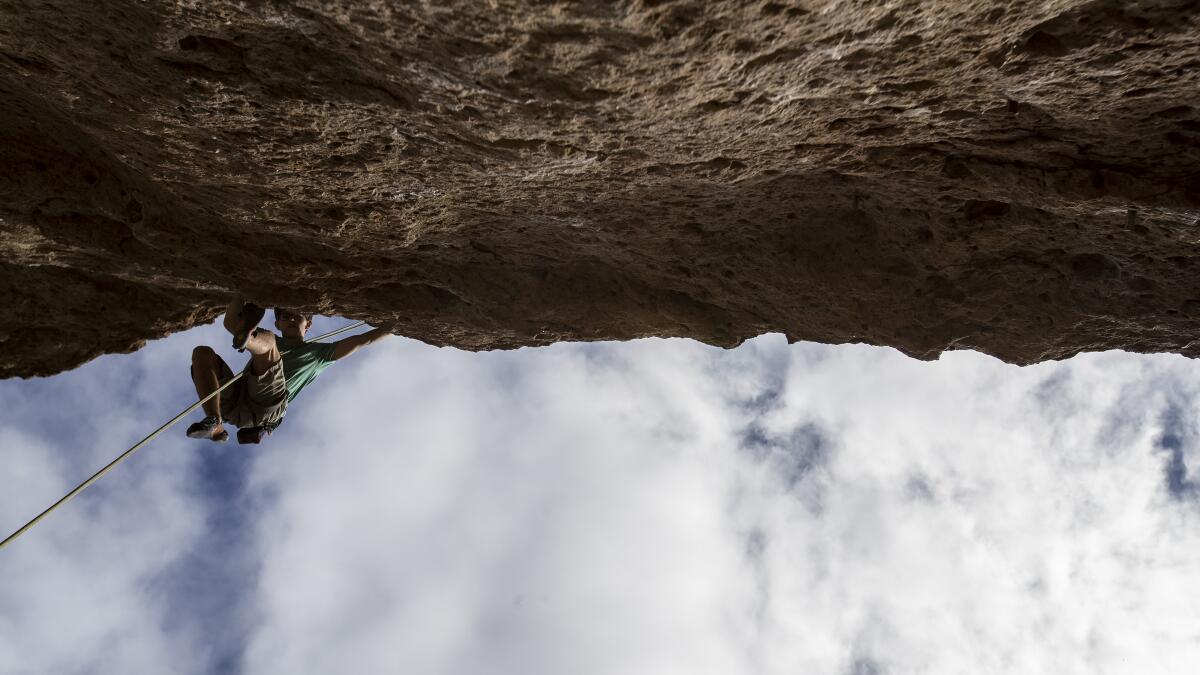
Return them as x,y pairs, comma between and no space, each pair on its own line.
279,367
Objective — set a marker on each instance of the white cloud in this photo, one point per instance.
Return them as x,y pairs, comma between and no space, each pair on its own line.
594,513
664,507
82,590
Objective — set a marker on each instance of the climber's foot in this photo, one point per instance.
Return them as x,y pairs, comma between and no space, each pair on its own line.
250,315
253,435
208,428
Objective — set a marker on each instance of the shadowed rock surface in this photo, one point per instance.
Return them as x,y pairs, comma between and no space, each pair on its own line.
1022,179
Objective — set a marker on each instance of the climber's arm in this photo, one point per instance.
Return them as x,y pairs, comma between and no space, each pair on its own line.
346,347
232,312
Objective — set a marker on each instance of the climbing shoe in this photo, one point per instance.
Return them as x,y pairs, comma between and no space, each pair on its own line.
204,430
252,435
250,315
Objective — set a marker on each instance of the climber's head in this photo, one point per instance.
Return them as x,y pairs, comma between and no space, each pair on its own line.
291,323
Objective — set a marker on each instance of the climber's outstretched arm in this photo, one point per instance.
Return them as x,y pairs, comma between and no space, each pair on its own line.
347,346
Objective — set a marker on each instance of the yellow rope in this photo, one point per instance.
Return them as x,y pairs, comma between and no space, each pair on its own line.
96,476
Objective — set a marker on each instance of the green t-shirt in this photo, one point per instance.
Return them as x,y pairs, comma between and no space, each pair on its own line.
303,362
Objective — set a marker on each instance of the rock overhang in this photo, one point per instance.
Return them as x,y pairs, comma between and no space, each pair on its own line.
1022,180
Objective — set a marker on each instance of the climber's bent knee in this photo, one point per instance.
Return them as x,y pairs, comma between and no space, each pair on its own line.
203,354
262,342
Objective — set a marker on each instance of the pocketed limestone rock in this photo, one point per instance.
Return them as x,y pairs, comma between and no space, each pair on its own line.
1020,179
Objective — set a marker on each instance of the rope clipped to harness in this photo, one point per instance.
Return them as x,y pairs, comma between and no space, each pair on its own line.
138,446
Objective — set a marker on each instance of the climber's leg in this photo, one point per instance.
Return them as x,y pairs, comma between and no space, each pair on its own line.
241,318
208,371
263,351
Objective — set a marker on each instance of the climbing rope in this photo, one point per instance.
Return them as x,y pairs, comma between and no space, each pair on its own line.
96,476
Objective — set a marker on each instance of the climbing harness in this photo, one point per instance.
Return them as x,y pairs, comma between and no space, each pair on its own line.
96,476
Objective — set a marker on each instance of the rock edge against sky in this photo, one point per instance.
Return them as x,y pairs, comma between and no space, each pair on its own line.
1021,179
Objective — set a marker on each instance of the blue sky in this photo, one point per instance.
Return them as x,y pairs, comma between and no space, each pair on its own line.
656,506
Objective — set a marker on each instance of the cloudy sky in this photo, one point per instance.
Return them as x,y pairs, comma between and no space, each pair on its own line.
654,507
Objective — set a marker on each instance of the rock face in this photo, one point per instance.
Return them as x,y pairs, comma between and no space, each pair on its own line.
1020,178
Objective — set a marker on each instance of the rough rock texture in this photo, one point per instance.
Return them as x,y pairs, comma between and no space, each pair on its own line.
1020,178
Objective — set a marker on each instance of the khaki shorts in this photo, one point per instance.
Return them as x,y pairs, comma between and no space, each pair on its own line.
254,400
